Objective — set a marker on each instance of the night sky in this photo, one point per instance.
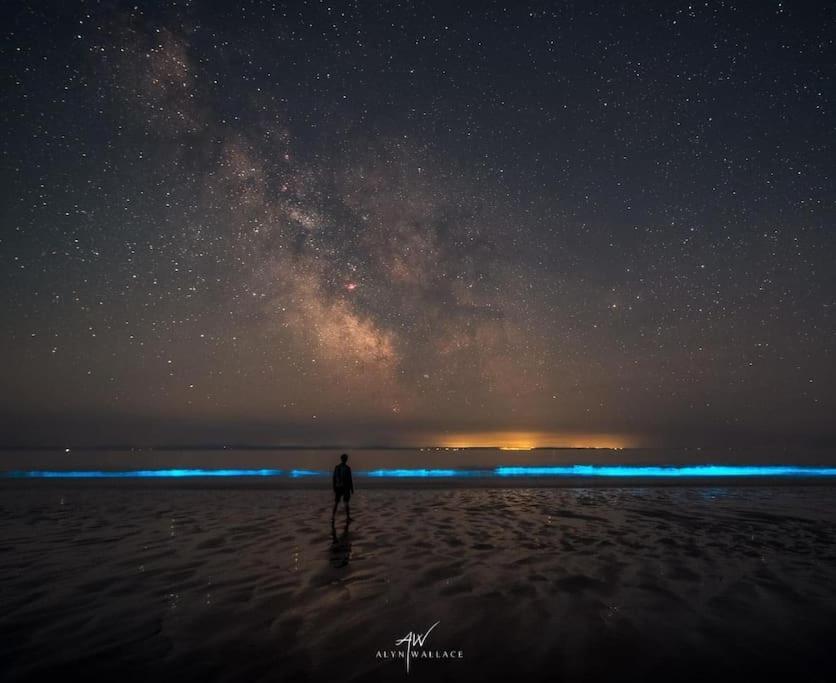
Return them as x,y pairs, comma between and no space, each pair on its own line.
418,223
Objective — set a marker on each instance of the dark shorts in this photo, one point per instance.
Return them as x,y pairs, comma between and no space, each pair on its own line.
345,494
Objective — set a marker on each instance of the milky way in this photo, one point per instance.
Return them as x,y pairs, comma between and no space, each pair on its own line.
392,223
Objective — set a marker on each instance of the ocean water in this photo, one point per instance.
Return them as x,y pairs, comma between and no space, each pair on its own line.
481,466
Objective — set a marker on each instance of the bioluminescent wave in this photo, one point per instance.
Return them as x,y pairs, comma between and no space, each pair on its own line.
295,474
423,473
641,471
564,471
139,474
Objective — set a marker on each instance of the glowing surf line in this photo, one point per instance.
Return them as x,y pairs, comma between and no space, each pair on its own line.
421,473
139,474
566,471
667,471
306,473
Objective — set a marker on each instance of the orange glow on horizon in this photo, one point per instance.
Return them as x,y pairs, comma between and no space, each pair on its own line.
525,441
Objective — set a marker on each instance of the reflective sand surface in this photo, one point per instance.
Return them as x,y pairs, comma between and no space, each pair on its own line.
123,583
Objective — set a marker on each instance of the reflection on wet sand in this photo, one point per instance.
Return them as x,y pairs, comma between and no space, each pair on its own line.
340,545
531,584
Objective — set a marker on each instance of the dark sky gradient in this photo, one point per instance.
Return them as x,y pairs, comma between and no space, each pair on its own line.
418,222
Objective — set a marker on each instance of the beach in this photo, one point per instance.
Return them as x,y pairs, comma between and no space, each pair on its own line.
126,583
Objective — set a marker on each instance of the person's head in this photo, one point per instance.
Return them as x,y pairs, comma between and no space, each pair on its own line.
344,457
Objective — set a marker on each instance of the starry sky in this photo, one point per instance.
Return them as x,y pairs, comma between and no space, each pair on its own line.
416,222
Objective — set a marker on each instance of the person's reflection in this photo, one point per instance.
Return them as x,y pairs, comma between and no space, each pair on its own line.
340,546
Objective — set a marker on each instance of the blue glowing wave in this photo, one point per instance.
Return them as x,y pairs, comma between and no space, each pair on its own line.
306,473
642,471
386,473
634,471
139,474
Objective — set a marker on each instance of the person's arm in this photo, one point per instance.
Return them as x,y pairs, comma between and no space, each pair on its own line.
334,479
350,481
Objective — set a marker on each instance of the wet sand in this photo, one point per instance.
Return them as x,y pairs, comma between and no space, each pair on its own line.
122,583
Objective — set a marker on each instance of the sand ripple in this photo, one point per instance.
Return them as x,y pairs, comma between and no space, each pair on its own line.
550,584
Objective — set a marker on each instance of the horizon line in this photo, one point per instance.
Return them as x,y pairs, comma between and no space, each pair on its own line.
366,447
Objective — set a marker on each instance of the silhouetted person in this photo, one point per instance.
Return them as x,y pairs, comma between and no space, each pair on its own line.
343,486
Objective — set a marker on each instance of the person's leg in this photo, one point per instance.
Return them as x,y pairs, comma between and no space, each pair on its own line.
336,503
347,510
